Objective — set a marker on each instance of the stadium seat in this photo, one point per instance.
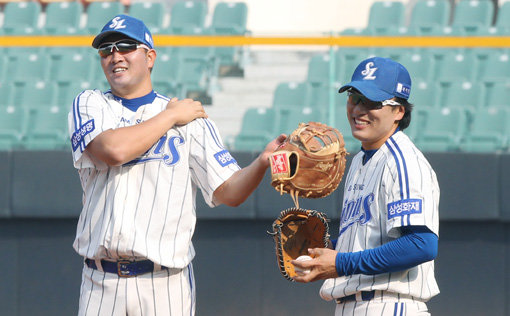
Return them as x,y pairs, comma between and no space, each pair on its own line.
443,129
496,68
187,17
12,127
289,119
498,95
152,13
319,70
23,67
319,97
352,145
290,95
257,129
100,12
428,15
417,125
470,15
420,65
21,18
424,93
46,129
6,93
67,91
385,14
35,94
489,131
456,66
229,18
63,18
80,64
465,95
165,76
502,24
193,77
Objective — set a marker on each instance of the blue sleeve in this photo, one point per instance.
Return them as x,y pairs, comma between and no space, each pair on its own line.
416,246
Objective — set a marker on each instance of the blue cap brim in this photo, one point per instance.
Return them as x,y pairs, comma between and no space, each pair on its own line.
368,89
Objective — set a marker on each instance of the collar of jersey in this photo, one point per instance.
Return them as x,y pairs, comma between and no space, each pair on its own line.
134,104
371,152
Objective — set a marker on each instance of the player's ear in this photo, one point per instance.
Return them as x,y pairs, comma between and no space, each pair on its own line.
151,58
399,112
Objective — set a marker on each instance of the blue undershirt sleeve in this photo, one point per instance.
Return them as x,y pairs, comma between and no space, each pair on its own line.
416,245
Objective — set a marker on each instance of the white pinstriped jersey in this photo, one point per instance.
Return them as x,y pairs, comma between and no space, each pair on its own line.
144,208
395,188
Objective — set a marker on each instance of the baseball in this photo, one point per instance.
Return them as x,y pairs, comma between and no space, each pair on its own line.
299,270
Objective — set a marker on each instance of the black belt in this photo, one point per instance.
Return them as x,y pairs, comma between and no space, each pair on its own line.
365,296
124,268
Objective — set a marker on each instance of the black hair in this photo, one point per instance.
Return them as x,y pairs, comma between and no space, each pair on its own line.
406,119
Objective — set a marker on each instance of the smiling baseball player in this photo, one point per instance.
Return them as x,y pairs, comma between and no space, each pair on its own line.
141,159
382,262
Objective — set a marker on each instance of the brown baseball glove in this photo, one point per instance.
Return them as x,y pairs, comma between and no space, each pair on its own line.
310,163
294,231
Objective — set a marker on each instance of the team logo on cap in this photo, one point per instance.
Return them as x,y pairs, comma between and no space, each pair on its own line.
117,23
368,73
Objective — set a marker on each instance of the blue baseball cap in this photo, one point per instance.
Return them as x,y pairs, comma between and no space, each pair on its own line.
127,25
380,79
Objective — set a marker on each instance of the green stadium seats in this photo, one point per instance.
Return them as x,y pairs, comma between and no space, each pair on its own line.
165,76
21,18
417,125
465,95
496,68
35,94
187,17
80,64
229,18
6,93
428,15
257,129
100,12
419,64
12,127
341,123
23,67
498,95
503,19
319,97
470,15
63,18
424,93
67,91
46,129
385,14
443,129
489,130
319,70
290,95
290,118
152,13
456,66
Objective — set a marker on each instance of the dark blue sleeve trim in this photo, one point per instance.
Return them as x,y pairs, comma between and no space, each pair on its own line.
416,245
333,242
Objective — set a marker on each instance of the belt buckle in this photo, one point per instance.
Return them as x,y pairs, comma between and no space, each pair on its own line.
122,269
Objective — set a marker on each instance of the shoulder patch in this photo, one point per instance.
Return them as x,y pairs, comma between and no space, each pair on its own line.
80,133
224,158
404,207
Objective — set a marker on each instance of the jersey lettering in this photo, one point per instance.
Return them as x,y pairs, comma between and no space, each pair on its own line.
224,158
78,135
356,211
163,150
404,207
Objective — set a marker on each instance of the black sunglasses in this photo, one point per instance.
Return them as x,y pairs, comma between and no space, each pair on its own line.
122,46
356,98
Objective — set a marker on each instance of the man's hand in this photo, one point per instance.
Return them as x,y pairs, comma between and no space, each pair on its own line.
270,148
321,267
185,110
